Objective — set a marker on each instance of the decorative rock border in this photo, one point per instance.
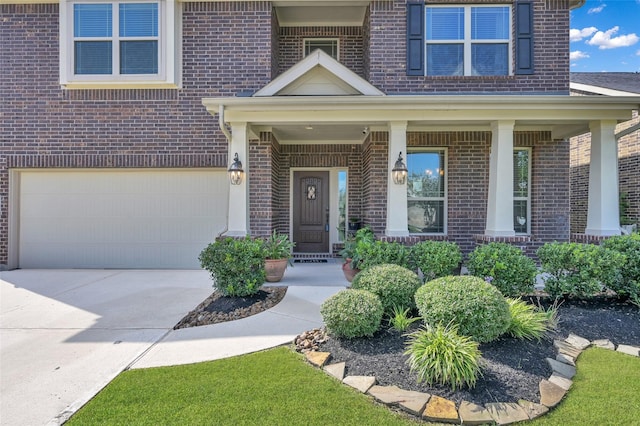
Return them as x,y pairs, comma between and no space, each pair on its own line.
433,408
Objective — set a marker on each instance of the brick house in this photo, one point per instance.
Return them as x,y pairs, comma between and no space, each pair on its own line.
121,118
628,139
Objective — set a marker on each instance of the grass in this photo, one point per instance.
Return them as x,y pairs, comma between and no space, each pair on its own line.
276,388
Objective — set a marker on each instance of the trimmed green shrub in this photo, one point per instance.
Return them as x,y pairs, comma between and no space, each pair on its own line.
439,355
393,284
579,269
400,319
381,253
477,307
507,267
628,283
436,258
352,313
527,321
236,265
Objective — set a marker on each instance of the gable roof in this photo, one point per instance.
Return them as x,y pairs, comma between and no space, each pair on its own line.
318,75
606,83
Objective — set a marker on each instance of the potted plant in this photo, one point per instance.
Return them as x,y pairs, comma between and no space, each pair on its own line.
277,250
354,246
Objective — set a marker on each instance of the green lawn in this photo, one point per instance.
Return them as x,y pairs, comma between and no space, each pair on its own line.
276,387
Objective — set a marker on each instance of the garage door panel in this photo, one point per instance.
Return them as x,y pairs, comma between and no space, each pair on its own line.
106,219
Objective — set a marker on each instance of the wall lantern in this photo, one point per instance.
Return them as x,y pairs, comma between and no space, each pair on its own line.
399,171
235,171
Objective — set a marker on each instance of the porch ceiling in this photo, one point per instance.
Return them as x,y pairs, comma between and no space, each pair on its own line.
343,119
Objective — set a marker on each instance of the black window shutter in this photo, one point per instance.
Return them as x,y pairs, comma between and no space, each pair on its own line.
415,38
524,37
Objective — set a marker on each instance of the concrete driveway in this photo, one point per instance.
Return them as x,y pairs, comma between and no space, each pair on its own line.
64,334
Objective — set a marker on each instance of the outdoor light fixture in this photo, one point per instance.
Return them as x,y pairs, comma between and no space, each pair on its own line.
399,171
235,171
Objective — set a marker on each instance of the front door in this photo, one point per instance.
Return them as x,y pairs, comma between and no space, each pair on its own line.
311,211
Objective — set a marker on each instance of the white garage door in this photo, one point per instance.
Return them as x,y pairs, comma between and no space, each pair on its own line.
119,219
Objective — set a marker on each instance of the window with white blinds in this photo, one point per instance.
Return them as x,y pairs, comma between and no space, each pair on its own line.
468,40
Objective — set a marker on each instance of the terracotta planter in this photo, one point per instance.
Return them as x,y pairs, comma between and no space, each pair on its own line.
275,269
348,271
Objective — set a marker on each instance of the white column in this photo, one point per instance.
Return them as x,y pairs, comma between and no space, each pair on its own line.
500,198
603,217
396,194
238,218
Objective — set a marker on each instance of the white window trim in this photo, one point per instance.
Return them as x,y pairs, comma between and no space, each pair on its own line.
337,40
169,55
467,42
528,197
445,152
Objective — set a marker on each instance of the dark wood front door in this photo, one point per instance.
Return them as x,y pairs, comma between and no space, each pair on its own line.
311,212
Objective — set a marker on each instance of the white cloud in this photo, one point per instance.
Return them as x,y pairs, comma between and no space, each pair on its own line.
577,35
578,54
596,9
604,40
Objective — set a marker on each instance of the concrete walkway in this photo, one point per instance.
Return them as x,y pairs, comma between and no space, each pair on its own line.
65,334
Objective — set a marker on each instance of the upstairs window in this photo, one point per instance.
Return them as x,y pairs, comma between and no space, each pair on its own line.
118,42
468,40
329,46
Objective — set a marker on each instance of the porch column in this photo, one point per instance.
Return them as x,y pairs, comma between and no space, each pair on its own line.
603,218
396,194
500,197
238,216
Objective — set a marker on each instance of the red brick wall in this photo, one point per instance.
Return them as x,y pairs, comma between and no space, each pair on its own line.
387,45
375,153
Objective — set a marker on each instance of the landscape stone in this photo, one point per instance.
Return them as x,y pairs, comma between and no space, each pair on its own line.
566,359
629,350
532,409
474,414
336,370
317,358
550,393
505,413
362,383
567,349
563,382
605,344
561,368
412,401
577,341
441,410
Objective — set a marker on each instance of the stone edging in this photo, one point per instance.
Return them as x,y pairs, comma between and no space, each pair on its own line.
433,408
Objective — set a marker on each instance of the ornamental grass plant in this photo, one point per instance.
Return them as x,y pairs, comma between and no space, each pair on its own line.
528,321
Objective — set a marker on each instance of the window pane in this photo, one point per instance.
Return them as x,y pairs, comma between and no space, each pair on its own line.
521,173
139,57
342,205
445,59
520,216
330,47
445,23
489,59
426,174
490,23
426,216
139,20
92,57
92,20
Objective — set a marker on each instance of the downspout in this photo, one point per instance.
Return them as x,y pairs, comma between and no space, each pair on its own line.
227,134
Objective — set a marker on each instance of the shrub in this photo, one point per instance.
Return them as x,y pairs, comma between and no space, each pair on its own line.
436,258
400,319
628,283
477,307
352,313
527,321
509,269
236,265
440,355
393,284
356,244
578,269
381,253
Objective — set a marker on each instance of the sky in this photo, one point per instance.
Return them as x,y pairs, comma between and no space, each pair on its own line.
605,36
